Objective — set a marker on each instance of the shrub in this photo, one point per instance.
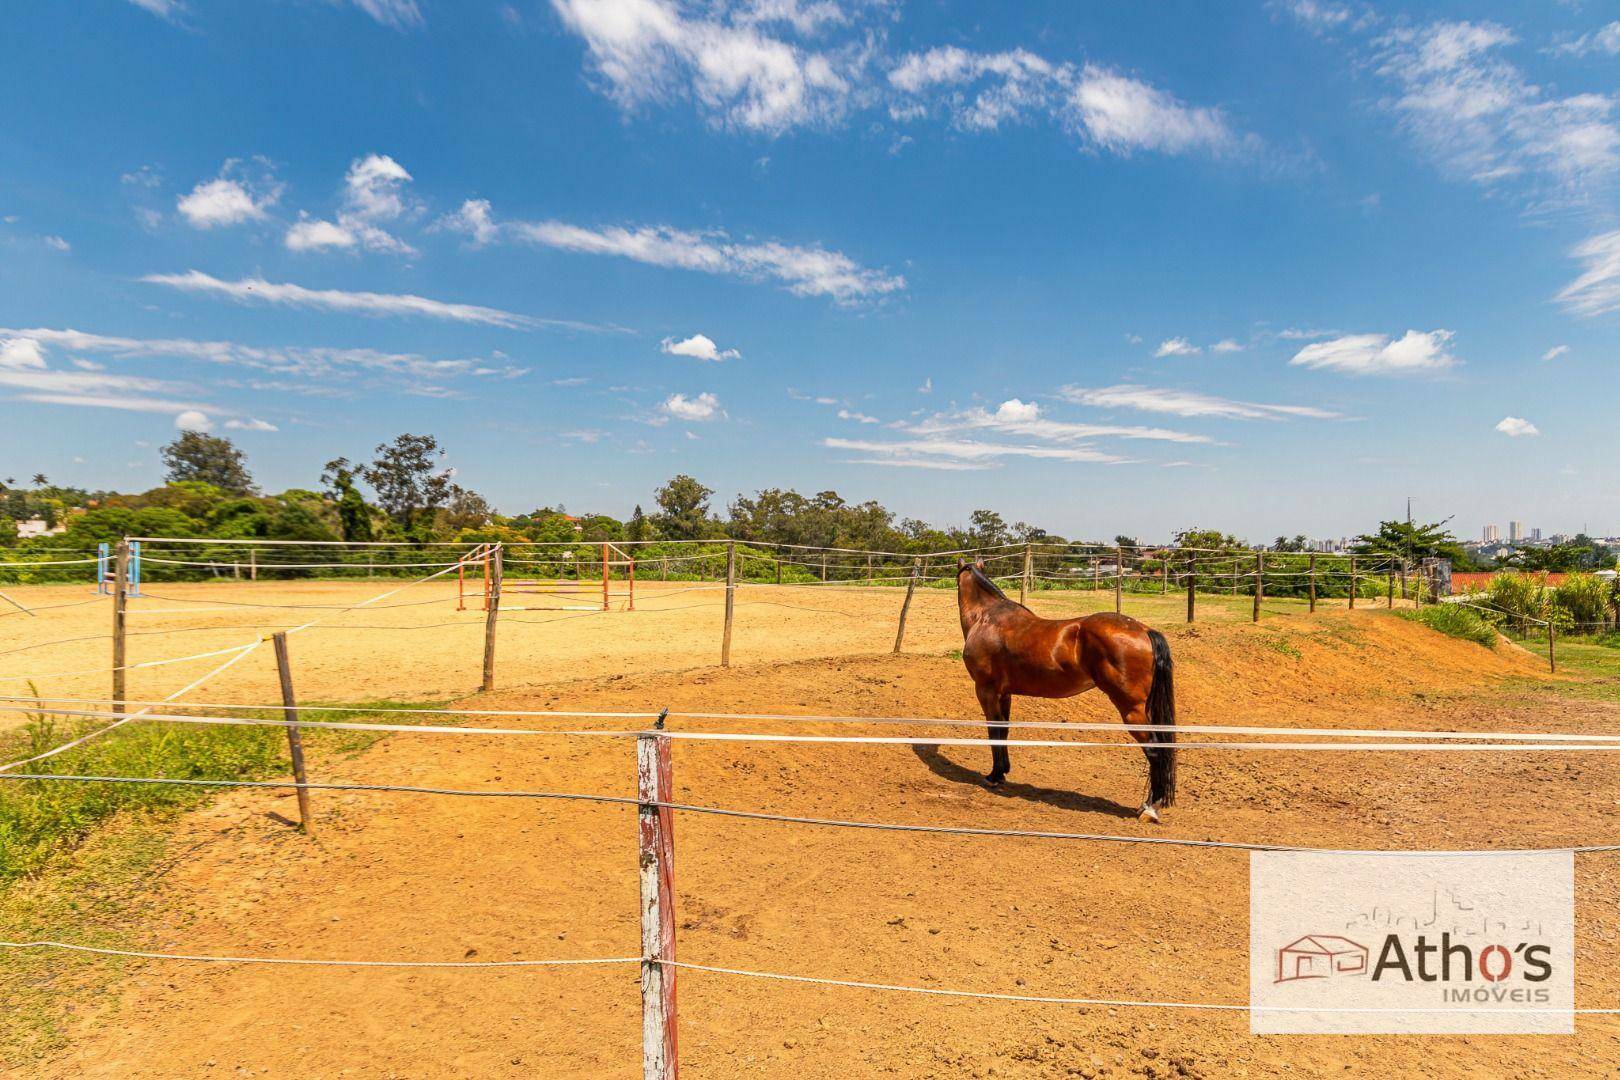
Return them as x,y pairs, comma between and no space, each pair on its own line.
1456,621
1582,603
1519,600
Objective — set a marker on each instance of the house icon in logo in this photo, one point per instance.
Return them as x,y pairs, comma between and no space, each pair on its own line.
1317,956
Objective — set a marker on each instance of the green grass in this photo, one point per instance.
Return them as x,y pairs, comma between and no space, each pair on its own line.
1455,621
78,859
41,819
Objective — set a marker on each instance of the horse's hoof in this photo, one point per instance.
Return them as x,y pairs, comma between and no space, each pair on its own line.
995,779
1148,814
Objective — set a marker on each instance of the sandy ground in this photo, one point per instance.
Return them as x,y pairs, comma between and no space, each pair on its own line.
416,877
416,646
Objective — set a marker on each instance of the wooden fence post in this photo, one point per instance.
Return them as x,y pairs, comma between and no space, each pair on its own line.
1355,586
1164,574
295,738
778,570
1023,582
492,616
1552,657
1259,581
253,564
1389,591
823,566
657,842
1192,583
1313,584
1403,578
731,597
905,608
1119,578
120,621
1096,574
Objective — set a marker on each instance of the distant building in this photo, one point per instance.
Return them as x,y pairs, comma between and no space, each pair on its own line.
1492,534
1535,535
36,527
1515,531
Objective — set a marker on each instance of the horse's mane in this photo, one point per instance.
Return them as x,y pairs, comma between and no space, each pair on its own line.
985,582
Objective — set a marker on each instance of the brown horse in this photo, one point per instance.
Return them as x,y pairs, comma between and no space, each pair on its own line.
1010,650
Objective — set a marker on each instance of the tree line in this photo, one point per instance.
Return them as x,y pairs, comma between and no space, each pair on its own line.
404,493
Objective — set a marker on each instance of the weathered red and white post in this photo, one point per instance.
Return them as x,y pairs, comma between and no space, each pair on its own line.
655,823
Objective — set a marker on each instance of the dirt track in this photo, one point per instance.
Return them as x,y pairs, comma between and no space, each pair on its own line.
425,878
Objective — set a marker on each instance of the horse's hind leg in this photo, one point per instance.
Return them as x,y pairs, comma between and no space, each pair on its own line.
997,712
1158,786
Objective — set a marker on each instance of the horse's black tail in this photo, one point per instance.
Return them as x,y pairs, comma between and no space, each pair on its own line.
1161,713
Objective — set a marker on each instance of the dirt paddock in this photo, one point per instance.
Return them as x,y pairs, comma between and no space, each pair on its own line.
416,645
417,877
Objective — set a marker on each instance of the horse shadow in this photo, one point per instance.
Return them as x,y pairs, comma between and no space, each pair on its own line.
946,769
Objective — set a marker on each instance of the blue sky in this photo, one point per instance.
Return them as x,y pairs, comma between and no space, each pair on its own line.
1108,268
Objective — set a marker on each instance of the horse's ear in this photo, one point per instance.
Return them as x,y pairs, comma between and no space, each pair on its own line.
978,564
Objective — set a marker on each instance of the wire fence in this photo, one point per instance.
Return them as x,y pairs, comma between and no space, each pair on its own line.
734,568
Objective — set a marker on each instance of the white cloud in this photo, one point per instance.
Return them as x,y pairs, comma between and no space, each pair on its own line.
168,10
963,453
56,243
1555,352
804,271
1319,16
704,406
1013,411
1108,110
473,220
1026,420
1377,354
927,386
1597,290
1605,40
1516,427
652,51
97,390
311,235
237,195
373,193
857,417
251,423
698,347
21,352
358,303
397,14
1187,403
1177,346
1226,345
193,420
1482,119
325,365
1123,114
375,187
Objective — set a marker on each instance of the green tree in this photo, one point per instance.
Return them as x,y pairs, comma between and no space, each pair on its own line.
208,458
637,529
988,528
354,516
683,506
407,480
1407,540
